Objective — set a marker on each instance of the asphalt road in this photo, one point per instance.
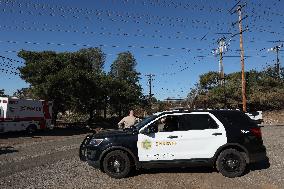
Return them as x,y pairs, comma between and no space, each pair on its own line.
51,161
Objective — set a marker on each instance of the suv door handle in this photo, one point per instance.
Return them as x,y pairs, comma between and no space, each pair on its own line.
172,136
215,134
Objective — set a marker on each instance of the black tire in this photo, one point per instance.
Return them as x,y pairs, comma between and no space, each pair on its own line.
231,163
83,150
116,164
31,129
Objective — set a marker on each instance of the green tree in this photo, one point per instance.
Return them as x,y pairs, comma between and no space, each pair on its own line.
125,89
45,71
209,80
70,80
263,89
266,89
2,93
86,79
193,95
24,93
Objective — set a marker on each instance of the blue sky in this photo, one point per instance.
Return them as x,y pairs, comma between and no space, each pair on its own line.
172,39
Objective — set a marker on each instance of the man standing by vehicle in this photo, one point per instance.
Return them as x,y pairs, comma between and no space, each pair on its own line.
128,121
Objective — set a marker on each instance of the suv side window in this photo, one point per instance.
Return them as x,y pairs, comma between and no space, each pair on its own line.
197,122
171,123
235,119
166,124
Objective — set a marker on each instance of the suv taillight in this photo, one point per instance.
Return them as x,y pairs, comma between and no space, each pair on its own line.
256,132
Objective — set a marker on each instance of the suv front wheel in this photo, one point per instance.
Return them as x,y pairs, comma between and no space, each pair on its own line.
231,163
117,164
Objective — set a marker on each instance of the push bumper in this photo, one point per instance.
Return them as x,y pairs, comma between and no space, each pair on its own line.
93,158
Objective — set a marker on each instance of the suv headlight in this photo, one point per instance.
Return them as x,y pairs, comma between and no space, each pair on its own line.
96,142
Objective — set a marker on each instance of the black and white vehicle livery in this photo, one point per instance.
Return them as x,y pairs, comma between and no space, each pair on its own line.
225,139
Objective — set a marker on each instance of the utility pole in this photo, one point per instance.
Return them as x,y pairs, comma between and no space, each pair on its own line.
219,51
239,11
221,68
222,48
242,60
277,49
150,79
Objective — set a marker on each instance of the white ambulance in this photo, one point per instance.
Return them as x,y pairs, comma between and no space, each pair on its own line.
24,114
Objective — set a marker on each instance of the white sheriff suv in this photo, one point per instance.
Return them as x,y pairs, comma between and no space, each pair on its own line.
227,140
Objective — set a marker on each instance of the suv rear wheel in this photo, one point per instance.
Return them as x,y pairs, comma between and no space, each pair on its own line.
231,163
116,164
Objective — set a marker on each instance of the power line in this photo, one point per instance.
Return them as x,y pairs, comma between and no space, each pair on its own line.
86,11
171,21
105,33
137,46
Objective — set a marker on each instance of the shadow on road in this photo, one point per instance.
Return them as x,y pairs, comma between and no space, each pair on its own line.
252,167
54,132
176,170
7,150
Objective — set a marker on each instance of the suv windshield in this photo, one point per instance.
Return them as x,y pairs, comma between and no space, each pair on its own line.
140,124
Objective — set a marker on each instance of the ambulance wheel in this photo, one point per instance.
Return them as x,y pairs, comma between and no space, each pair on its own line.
31,129
116,164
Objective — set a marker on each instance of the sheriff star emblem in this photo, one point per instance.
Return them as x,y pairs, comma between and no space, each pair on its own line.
146,144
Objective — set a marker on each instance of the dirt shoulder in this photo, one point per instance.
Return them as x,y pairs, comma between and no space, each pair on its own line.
275,117
13,139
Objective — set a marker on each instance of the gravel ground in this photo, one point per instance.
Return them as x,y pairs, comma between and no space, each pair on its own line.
55,164
275,117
